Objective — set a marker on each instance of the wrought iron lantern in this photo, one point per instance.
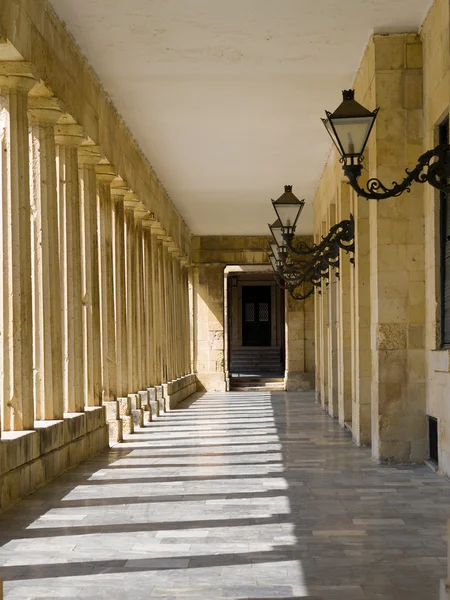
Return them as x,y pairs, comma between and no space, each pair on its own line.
349,127
306,273
288,208
276,230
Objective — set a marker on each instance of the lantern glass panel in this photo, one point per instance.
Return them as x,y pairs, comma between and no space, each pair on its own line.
351,133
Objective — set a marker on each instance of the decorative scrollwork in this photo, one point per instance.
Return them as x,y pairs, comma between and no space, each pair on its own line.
432,167
311,271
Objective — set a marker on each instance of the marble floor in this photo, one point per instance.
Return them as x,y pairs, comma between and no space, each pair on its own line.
237,496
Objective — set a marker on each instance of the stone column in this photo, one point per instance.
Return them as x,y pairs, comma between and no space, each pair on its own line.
16,351
130,255
192,277
105,176
118,191
88,158
157,301
168,305
177,311
148,303
68,138
138,302
44,112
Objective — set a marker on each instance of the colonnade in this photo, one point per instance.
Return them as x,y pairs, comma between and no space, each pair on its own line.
94,302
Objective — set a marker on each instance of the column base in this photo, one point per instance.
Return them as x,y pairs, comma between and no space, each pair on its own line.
211,382
295,381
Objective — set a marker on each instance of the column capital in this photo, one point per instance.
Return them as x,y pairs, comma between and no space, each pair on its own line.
133,203
43,110
17,75
149,222
69,134
89,155
105,173
119,188
173,249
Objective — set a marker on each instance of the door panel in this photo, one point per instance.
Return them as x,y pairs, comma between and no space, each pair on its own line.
256,315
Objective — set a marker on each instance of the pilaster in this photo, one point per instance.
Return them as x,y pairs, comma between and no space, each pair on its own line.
397,241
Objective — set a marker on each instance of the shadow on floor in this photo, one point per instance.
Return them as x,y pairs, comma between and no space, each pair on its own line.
297,512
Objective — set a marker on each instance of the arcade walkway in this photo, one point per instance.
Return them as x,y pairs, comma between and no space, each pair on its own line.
238,496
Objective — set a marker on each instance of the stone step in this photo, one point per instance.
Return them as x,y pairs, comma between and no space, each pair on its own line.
247,384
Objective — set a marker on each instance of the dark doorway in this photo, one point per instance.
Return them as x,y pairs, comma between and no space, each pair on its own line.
433,439
256,315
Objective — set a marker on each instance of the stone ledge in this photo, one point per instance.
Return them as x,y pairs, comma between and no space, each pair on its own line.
178,390
74,426
26,465
18,448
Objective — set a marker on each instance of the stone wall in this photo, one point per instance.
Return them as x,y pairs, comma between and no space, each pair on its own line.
435,38
211,254
371,332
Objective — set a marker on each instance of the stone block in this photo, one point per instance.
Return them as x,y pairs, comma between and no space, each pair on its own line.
112,409
20,447
134,402
153,402
124,406
299,381
74,426
51,434
160,397
115,430
144,398
95,417
414,59
138,417
391,336
127,425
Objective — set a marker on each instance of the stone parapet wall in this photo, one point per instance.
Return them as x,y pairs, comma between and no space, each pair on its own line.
29,459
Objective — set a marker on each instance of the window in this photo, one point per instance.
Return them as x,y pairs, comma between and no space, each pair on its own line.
445,251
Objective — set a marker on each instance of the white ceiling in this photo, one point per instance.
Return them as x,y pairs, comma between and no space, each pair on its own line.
225,96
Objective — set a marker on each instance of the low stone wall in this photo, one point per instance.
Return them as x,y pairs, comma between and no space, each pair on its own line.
178,390
29,459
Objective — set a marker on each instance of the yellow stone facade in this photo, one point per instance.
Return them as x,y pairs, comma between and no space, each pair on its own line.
380,369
